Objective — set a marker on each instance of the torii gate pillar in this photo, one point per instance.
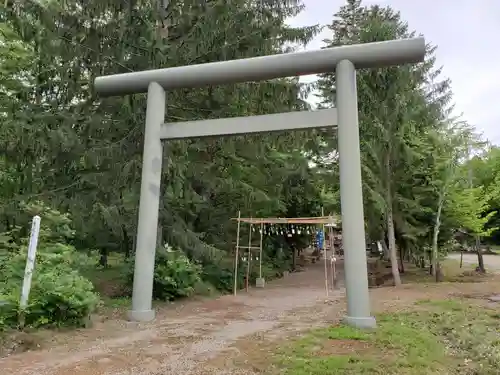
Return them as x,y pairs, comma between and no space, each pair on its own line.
344,60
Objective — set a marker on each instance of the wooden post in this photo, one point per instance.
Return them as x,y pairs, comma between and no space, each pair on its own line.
260,249
324,252
334,260
249,253
236,255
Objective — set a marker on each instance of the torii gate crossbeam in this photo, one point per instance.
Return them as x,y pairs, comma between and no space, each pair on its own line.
343,60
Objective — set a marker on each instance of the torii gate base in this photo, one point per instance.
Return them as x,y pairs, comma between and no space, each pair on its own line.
344,60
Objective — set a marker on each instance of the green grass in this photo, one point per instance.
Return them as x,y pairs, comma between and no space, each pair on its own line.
109,282
436,337
451,272
495,249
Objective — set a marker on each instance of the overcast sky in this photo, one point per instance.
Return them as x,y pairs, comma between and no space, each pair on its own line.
466,33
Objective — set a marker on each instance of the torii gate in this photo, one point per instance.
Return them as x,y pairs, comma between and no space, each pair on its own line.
344,61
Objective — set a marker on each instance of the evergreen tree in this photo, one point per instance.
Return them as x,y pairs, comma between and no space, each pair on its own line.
397,105
82,154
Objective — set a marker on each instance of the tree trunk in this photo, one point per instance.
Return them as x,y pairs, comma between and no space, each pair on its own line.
126,242
439,274
391,235
385,253
480,260
103,260
409,254
401,260
402,256
435,236
392,248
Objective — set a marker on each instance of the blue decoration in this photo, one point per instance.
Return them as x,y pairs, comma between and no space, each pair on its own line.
320,238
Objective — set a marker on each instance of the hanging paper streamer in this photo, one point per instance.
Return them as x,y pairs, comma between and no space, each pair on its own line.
245,258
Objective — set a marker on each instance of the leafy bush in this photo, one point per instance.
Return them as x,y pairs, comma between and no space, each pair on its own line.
175,275
219,273
204,288
59,295
270,273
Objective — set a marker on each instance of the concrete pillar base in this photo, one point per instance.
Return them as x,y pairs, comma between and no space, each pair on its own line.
141,316
260,282
361,322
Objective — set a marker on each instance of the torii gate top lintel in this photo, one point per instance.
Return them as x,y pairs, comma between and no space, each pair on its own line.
368,55
344,60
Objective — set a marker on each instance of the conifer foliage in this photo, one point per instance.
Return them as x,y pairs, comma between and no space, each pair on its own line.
66,153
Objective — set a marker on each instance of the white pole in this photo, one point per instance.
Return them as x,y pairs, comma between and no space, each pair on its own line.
324,253
249,252
30,262
237,255
326,267
260,249
334,260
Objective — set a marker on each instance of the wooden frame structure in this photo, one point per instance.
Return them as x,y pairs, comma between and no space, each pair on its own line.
329,222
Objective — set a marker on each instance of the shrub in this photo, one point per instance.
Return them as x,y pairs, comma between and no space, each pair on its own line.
175,275
59,295
219,273
204,288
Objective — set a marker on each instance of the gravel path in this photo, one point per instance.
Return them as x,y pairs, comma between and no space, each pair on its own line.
182,340
491,262
211,336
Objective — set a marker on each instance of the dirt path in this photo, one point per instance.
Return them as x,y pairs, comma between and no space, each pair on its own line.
221,336
182,339
491,262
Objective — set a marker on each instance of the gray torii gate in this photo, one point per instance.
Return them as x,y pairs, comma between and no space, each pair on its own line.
344,61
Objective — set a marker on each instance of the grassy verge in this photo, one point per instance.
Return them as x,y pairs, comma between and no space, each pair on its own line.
111,284
495,249
433,337
451,272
